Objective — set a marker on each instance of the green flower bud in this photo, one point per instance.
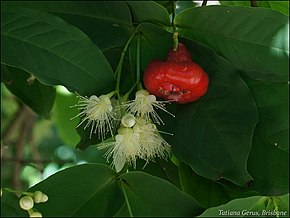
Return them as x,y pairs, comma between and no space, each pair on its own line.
38,196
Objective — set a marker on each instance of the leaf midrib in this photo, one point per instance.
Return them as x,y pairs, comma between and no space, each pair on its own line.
94,193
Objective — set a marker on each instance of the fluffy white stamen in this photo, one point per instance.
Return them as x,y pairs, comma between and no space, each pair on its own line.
125,149
144,106
98,112
152,142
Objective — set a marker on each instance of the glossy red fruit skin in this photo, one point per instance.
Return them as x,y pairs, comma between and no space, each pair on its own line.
178,78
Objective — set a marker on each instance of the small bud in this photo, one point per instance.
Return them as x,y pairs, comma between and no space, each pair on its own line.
35,214
38,196
44,198
128,120
26,203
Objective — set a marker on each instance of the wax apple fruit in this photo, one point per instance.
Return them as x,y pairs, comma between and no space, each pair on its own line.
178,78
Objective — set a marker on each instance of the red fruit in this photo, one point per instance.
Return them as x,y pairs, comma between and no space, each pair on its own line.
178,78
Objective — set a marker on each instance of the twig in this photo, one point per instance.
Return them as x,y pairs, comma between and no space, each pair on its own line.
25,128
204,2
18,155
173,13
10,129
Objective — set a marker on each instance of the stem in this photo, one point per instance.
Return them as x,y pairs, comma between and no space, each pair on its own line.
111,94
18,192
126,96
175,41
173,14
127,200
119,67
204,3
138,60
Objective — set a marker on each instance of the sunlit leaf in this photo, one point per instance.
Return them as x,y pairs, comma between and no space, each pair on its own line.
252,206
63,114
281,6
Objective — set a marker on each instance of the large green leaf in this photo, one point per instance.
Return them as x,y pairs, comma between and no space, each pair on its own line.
206,192
269,157
39,97
107,23
96,190
214,134
54,51
254,40
148,11
281,6
253,207
84,190
150,196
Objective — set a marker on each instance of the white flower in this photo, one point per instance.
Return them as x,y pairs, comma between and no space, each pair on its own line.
125,149
26,203
99,113
151,141
144,106
142,141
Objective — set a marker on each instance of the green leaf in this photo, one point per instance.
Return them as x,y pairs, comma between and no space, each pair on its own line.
147,195
252,206
96,190
54,51
206,192
10,206
39,97
85,190
184,5
163,169
148,11
107,23
254,40
63,114
214,134
281,6
269,158
166,4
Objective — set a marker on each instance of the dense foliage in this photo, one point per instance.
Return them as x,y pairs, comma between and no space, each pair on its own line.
229,149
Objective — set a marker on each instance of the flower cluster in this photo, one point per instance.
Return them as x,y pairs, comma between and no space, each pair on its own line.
137,135
27,202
